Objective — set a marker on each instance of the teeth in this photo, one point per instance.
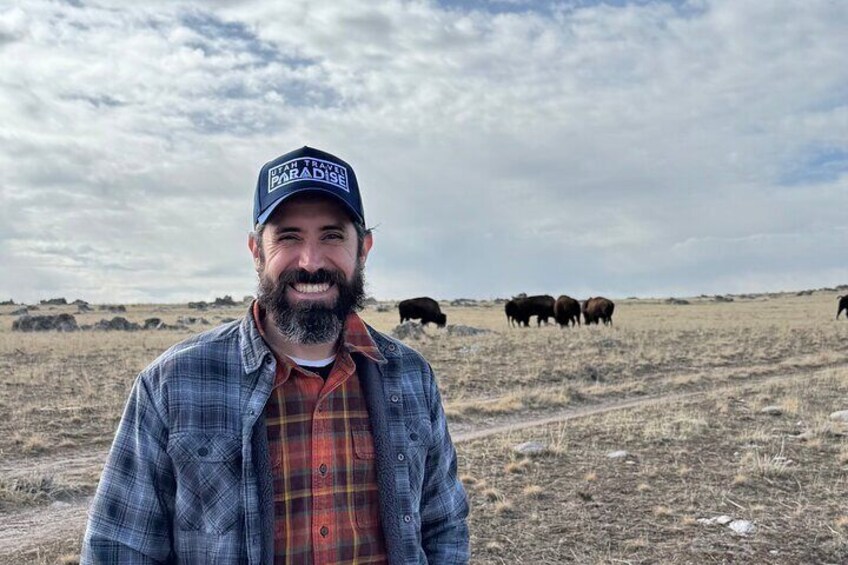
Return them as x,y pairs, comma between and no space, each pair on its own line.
311,288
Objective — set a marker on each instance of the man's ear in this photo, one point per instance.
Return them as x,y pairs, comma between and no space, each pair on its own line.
367,242
255,250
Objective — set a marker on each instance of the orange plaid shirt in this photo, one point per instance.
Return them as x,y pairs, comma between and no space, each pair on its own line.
326,504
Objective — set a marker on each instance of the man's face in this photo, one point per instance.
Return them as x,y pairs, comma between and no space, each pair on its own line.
310,276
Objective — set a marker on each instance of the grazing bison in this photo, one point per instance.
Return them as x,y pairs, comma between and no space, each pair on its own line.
566,310
541,306
843,305
513,313
425,309
598,309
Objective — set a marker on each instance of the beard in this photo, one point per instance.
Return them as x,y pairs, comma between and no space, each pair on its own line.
312,322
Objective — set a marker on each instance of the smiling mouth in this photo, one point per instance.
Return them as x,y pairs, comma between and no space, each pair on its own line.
304,288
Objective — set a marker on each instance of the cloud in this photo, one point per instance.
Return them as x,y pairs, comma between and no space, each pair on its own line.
629,147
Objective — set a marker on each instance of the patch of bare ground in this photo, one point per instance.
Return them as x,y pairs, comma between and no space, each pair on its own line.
783,471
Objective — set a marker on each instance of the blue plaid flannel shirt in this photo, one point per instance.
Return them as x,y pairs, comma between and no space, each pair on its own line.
188,478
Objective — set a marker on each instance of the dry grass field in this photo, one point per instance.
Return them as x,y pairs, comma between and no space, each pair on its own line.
702,455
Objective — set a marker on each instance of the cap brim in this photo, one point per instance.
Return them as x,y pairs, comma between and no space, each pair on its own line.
263,217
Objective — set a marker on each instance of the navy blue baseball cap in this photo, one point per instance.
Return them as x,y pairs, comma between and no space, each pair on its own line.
301,170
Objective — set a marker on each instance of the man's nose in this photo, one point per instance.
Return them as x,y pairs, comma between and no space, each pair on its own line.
310,258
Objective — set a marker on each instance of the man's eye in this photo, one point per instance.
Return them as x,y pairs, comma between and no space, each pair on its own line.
333,236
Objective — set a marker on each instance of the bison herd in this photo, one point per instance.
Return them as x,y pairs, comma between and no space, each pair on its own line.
564,310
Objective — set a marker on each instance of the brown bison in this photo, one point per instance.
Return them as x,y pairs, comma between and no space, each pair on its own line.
522,307
424,308
843,305
513,313
566,310
598,309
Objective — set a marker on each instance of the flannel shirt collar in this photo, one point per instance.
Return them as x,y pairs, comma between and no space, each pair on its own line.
356,339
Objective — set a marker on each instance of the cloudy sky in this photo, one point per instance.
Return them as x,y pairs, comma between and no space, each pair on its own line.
625,148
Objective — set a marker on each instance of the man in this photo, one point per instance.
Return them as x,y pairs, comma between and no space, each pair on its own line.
296,435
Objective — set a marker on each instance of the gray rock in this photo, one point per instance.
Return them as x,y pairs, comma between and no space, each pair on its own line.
742,527
60,323
409,330
530,448
840,416
772,410
619,454
720,520
152,324
118,323
465,330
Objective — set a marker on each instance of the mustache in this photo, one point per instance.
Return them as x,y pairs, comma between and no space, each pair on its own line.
302,276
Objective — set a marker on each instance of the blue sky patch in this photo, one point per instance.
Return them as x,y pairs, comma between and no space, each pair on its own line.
817,165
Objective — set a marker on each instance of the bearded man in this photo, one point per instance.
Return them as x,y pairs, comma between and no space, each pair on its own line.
296,435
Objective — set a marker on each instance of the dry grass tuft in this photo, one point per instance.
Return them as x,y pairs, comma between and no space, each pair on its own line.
520,466
590,477
533,491
661,511
503,507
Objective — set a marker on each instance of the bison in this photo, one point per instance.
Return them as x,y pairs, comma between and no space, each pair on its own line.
424,308
566,310
598,309
513,312
541,306
843,305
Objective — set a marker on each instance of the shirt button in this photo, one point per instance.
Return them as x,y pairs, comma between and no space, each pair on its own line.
267,359
322,469
391,347
395,398
407,518
203,452
401,457
324,531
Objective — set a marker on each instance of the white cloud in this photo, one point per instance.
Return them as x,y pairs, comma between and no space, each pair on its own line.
576,149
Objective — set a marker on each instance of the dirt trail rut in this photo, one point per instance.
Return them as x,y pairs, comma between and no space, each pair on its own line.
24,531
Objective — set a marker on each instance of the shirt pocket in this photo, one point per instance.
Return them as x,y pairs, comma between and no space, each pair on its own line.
365,498
208,475
418,437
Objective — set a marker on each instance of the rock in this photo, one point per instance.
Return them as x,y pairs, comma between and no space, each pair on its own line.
54,302
463,302
198,305
60,323
79,302
720,520
81,308
20,312
118,323
530,448
465,330
677,301
152,324
383,308
839,416
409,330
620,454
114,308
772,410
742,527
186,320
